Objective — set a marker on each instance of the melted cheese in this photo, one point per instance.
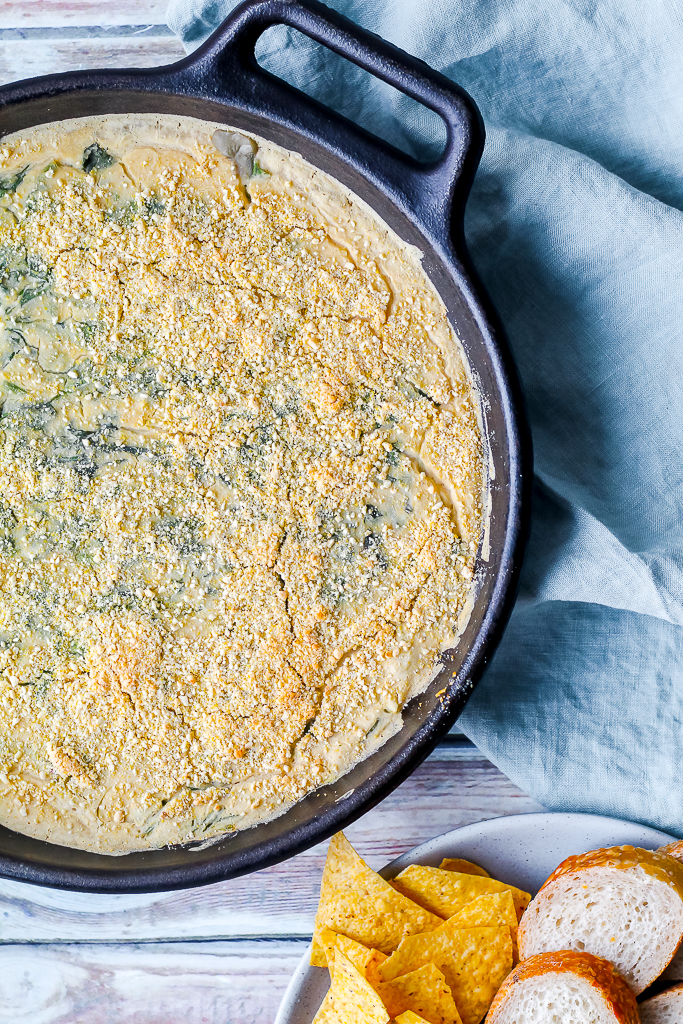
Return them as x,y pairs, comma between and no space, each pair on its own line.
241,480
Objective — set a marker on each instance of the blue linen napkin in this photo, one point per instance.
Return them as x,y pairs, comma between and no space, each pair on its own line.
575,226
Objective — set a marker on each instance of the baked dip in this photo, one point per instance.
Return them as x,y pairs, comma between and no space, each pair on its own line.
241,481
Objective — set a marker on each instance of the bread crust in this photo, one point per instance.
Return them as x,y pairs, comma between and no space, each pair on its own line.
598,972
675,969
651,1009
657,863
674,850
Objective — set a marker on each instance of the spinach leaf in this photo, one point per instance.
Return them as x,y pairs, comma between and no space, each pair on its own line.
413,392
372,546
32,293
14,342
11,183
96,159
86,330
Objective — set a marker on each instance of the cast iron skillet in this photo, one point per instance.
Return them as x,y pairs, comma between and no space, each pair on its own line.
424,204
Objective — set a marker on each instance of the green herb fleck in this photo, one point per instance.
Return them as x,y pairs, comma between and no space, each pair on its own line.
13,182
87,331
96,159
8,522
153,206
41,685
412,392
393,456
32,293
181,534
76,649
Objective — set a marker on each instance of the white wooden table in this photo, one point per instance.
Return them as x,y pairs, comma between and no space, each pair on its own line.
221,954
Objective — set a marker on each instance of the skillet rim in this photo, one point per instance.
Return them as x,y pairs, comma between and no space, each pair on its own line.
428,201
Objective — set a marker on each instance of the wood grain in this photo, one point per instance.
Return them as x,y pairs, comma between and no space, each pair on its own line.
27,58
454,787
55,13
197,983
109,979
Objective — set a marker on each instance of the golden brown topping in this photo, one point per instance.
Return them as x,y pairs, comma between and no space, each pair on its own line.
240,482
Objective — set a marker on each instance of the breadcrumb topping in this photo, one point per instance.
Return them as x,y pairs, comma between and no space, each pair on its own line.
241,482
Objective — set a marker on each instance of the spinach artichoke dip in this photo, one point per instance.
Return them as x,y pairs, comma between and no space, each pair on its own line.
241,481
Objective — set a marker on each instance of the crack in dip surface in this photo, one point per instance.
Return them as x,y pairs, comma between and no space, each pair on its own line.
241,481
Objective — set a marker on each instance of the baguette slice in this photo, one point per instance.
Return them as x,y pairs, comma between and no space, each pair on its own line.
665,1008
674,971
564,988
674,849
622,903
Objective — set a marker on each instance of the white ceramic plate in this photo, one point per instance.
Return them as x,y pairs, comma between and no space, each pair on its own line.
523,849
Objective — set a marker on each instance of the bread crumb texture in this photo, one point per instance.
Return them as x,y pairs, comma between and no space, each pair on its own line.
241,476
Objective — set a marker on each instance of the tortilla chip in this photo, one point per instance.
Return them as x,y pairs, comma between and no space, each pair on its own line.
474,962
464,867
375,919
357,902
495,908
327,1013
372,967
327,940
410,1018
425,992
491,909
366,960
445,893
351,999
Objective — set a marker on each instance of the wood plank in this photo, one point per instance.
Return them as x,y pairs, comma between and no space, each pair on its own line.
212,983
454,787
53,13
27,58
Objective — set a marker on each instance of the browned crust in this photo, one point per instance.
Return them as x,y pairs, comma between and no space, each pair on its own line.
599,973
658,864
674,850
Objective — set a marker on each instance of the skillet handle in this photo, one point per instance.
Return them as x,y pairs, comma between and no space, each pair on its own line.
225,68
